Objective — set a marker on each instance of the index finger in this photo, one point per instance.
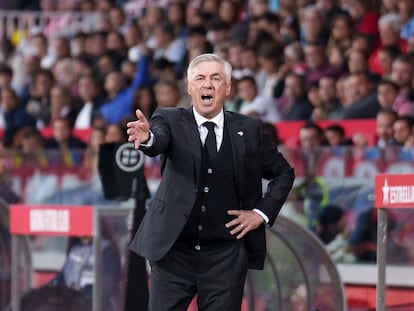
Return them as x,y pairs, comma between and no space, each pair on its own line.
234,212
140,115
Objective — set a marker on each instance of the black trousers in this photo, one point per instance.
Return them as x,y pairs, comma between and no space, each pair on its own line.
216,274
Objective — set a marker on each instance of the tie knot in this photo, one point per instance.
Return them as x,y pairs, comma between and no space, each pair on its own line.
209,125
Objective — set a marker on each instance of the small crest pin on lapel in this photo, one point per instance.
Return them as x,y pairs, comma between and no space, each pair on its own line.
240,133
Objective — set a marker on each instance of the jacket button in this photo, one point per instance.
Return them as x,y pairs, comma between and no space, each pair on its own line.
203,208
197,247
206,189
209,171
200,227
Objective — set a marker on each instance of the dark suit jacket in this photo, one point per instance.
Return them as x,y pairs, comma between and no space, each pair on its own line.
176,137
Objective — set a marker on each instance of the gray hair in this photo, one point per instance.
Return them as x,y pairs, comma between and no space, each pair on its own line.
209,57
392,20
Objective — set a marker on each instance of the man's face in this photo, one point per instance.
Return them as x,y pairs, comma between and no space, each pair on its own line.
309,138
314,57
327,91
386,95
208,88
247,90
401,73
401,131
385,129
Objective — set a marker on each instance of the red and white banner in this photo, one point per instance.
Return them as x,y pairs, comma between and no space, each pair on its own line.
394,190
61,220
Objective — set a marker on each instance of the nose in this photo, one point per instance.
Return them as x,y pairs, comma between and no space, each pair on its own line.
207,83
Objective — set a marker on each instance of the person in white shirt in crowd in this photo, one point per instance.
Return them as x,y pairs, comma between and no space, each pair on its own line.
255,104
88,91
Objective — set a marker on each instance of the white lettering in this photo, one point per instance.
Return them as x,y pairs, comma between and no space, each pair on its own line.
401,194
49,220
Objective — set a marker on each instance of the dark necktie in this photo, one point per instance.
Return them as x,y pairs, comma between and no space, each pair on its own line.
211,143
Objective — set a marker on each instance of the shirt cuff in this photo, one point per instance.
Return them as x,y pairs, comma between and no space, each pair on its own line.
150,141
264,216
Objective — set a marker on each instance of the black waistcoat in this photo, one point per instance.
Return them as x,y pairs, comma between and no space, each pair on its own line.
216,194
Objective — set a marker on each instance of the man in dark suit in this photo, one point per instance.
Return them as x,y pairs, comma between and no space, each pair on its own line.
205,225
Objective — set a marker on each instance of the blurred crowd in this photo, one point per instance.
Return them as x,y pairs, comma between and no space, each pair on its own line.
96,61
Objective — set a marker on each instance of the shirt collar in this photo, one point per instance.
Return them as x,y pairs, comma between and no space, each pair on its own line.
218,119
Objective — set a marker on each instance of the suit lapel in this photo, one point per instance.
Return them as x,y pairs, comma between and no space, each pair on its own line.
192,137
238,145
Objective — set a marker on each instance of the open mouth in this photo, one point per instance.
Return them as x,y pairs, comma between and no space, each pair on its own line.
207,98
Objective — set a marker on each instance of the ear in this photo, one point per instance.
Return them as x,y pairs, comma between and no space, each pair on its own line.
228,89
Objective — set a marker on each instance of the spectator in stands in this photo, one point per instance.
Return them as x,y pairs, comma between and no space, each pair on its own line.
144,100
357,61
133,41
119,95
228,11
30,146
389,29
251,66
38,45
335,136
341,28
384,129
31,65
196,42
410,44
168,46
235,51
317,63
327,95
406,11
63,138
38,104
386,57
314,99
62,105
269,27
254,104
6,191
168,94
364,103
96,44
403,130
384,135
298,105
65,75
59,49
314,25
293,61
402,73
366,19
96,138
176,17
89,101
389,6
13,115
6,76
116,47
117,18
115,133
269,60
387,92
